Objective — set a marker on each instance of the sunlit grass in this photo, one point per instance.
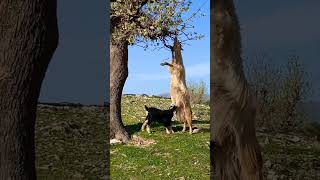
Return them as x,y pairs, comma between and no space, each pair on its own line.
174,156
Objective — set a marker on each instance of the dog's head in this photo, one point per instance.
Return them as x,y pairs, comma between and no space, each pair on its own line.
173,108
152,110
147,108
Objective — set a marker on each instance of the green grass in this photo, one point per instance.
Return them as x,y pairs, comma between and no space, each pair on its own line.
174,156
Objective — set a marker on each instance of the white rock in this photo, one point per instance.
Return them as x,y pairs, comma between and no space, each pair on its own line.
295,139
115,141
196,130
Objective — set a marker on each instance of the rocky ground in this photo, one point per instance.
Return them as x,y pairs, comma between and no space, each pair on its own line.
290,156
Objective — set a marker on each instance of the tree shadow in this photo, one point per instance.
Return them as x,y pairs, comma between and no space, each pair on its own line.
200,122
206,130
134,128
176,126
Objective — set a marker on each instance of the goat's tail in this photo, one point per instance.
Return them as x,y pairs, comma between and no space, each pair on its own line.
184,113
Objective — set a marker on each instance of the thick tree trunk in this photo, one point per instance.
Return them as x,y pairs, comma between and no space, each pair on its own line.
28,38
236,152
118,76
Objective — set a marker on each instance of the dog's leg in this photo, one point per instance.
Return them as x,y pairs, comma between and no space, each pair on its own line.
168,131
144,125
171,130
148,128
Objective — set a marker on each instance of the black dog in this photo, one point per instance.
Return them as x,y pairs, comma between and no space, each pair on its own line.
158,115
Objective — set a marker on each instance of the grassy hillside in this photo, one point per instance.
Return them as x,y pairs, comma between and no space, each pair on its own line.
72,143
175,156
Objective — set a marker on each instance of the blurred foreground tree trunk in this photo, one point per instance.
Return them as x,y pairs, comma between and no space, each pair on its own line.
234,150
28,39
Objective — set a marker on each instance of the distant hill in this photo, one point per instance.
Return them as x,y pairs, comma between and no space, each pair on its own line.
167,95
164,95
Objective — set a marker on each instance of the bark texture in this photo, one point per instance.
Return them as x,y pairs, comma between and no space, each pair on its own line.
118,76
235,150
28,39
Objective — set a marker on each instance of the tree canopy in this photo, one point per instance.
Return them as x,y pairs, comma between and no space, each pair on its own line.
159,21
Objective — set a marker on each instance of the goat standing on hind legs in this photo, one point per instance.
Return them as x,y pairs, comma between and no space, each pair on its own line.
180,95
235,151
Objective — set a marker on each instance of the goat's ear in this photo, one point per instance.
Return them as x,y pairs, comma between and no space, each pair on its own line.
146,107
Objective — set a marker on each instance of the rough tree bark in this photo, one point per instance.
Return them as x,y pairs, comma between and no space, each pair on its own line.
118,76
235,150
28,39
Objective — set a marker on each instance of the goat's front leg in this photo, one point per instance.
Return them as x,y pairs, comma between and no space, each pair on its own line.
166,64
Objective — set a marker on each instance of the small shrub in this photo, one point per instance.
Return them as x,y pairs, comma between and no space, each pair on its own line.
198,92
279,89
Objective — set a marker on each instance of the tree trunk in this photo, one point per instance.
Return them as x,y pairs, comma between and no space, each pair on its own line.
118,76
236,152
28,39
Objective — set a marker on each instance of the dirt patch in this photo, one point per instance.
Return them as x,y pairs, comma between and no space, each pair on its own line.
140,142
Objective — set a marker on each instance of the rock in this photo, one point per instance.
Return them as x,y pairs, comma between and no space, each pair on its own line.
272,175
78,175
268,164
195,130
295,139
115,141
267,141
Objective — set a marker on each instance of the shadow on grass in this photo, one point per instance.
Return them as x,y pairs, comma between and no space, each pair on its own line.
200,122
134,128
177,126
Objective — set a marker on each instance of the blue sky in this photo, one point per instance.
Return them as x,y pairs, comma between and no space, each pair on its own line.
146,76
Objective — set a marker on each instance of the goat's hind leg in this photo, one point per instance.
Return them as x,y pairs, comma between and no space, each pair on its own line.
184,127
190,127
